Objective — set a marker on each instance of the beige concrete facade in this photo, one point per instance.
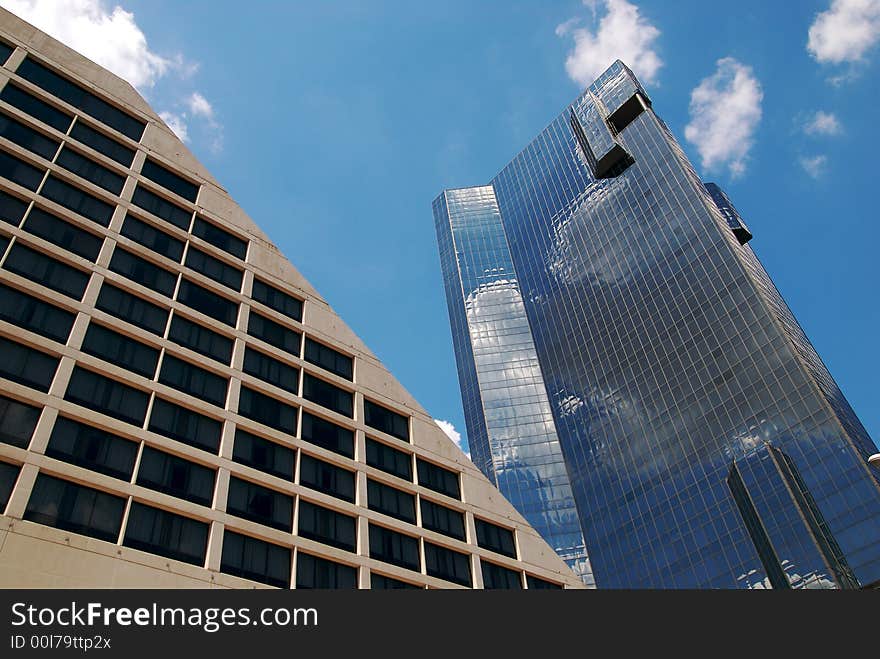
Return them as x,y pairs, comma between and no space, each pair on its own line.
37,555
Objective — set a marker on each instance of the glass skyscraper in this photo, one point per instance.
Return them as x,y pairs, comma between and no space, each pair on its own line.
631,378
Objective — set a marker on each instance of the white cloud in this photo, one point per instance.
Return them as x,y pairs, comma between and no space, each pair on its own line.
623,33
199,106
814,165
111,38
453,434
823,123
725,110
845,32
177,123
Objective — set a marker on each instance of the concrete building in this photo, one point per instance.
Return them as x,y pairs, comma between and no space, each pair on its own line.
633,381
178,406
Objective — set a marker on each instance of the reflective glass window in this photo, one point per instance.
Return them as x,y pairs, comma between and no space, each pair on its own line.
260,504
133,309
327,478
72,198
27,366
267,410
327,435
193,380
394,548
45,270
314,572
259,453
169,180
391,501
75,508
92,448
33,314
166,534
17,422
257,560
327,526
185,425
218,237
64,234
120,350
107,396
381,418
175,476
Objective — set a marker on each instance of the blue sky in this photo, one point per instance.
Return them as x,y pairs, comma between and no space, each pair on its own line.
335,124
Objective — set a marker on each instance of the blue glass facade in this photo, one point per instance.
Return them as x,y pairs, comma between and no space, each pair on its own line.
509,423
677,378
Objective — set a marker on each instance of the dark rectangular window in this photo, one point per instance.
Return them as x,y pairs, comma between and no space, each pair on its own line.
168,211
327,478
143,272
4,243
185,426
132,309
267,410
273,333
80,98
36,107
27,366
277,299
90,170
64,234
438,479
193,380
313,572
495,538
27,138
271,370
260,504
102,144
381,582
35,315
257,560
327,526
18,171
264,455
8,476
208,303
395,548
329,359
175,476
169,180
218,237
496,577
75,508
200,339
534,583
17,422
442,519
327,435
213,268
446,564
5,52
120,350
11,208
152,238
389,459
381,418
328,395
391,501
74,199
166,534
107,396
45,270
94,449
